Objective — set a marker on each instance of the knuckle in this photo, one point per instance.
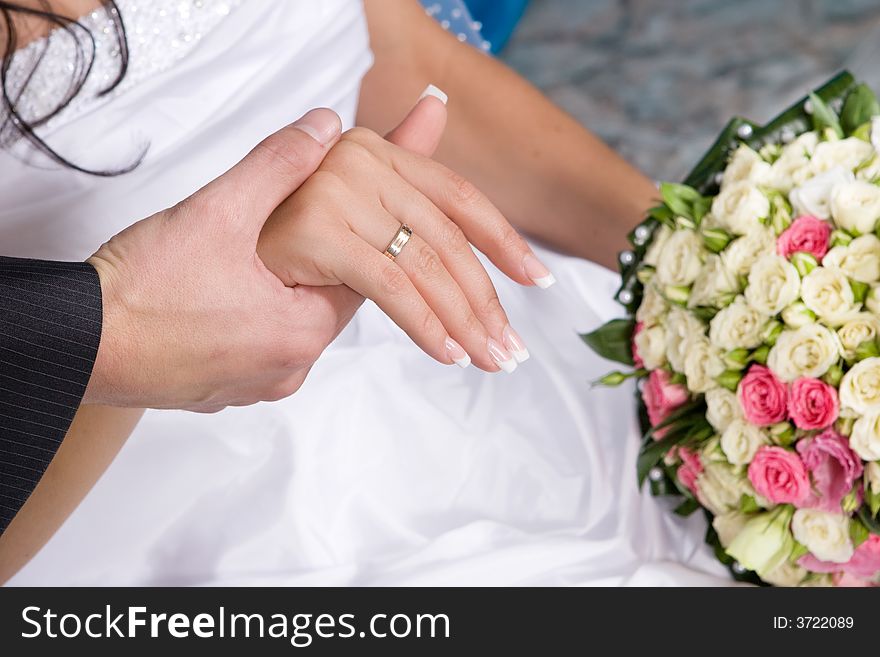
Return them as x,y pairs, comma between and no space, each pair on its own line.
454,237
392,280
284,389
427,322
461,190
427,262
473,325
360,135
347,155
509,239
285,154
491,307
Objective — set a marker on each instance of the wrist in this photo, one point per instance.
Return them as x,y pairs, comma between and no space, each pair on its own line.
107,383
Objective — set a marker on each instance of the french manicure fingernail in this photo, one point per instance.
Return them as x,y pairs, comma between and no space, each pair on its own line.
321,124
537,272
438,93
514,344
501,357
457,354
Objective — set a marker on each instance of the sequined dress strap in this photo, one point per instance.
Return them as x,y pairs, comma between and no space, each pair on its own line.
159,33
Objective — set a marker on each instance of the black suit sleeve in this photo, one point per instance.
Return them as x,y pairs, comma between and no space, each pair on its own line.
50,328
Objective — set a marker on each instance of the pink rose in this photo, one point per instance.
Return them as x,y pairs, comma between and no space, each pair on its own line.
842,580
812,404
691,467
637,360
662,397
763,397
863,565
806,234
779,475
833,466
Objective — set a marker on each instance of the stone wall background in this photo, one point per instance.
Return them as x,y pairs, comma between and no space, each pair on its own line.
658,79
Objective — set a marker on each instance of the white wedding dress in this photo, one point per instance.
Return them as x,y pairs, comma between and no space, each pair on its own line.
523,479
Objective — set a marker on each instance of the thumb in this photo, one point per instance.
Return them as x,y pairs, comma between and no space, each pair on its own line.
420,132
278,165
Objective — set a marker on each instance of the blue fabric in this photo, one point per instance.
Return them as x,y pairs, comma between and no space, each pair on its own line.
486,24
499,18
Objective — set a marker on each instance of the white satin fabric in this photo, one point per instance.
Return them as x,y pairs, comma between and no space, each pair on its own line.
386,468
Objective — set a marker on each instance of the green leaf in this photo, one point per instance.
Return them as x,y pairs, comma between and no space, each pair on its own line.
858,532
663,214
858,108
705,313
872,500
689,426
798,551
701,208
687,507
870,521
690,413
613,340
747,504
679,198
654,450
824,116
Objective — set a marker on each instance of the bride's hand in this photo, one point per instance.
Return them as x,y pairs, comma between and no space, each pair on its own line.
335,228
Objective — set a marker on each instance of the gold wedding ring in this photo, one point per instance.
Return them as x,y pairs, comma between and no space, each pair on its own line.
399,241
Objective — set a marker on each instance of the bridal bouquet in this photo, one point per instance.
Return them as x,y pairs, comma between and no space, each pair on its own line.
753,295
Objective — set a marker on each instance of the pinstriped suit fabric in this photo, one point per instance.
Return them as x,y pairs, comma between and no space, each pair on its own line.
50,328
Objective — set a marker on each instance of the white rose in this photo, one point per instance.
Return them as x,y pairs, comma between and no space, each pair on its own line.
865,436
814,196
808,351
860,387
875,132
773,284
714,283
860,328
860,259
786,574
824,534
728,525
658,241
847,153
681,326
872,300
651,345
702,364
745,165
793,166
740,207
722,408
797,315
827,293
872,477
741,253
653,306
737,326
855,206
740,441
720,487
681,258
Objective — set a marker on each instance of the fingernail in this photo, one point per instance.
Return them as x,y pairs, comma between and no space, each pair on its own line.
321,124
501,357
431,90
537,272
457,354
514,344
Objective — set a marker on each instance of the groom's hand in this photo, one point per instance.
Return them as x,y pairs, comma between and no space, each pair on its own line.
192,317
